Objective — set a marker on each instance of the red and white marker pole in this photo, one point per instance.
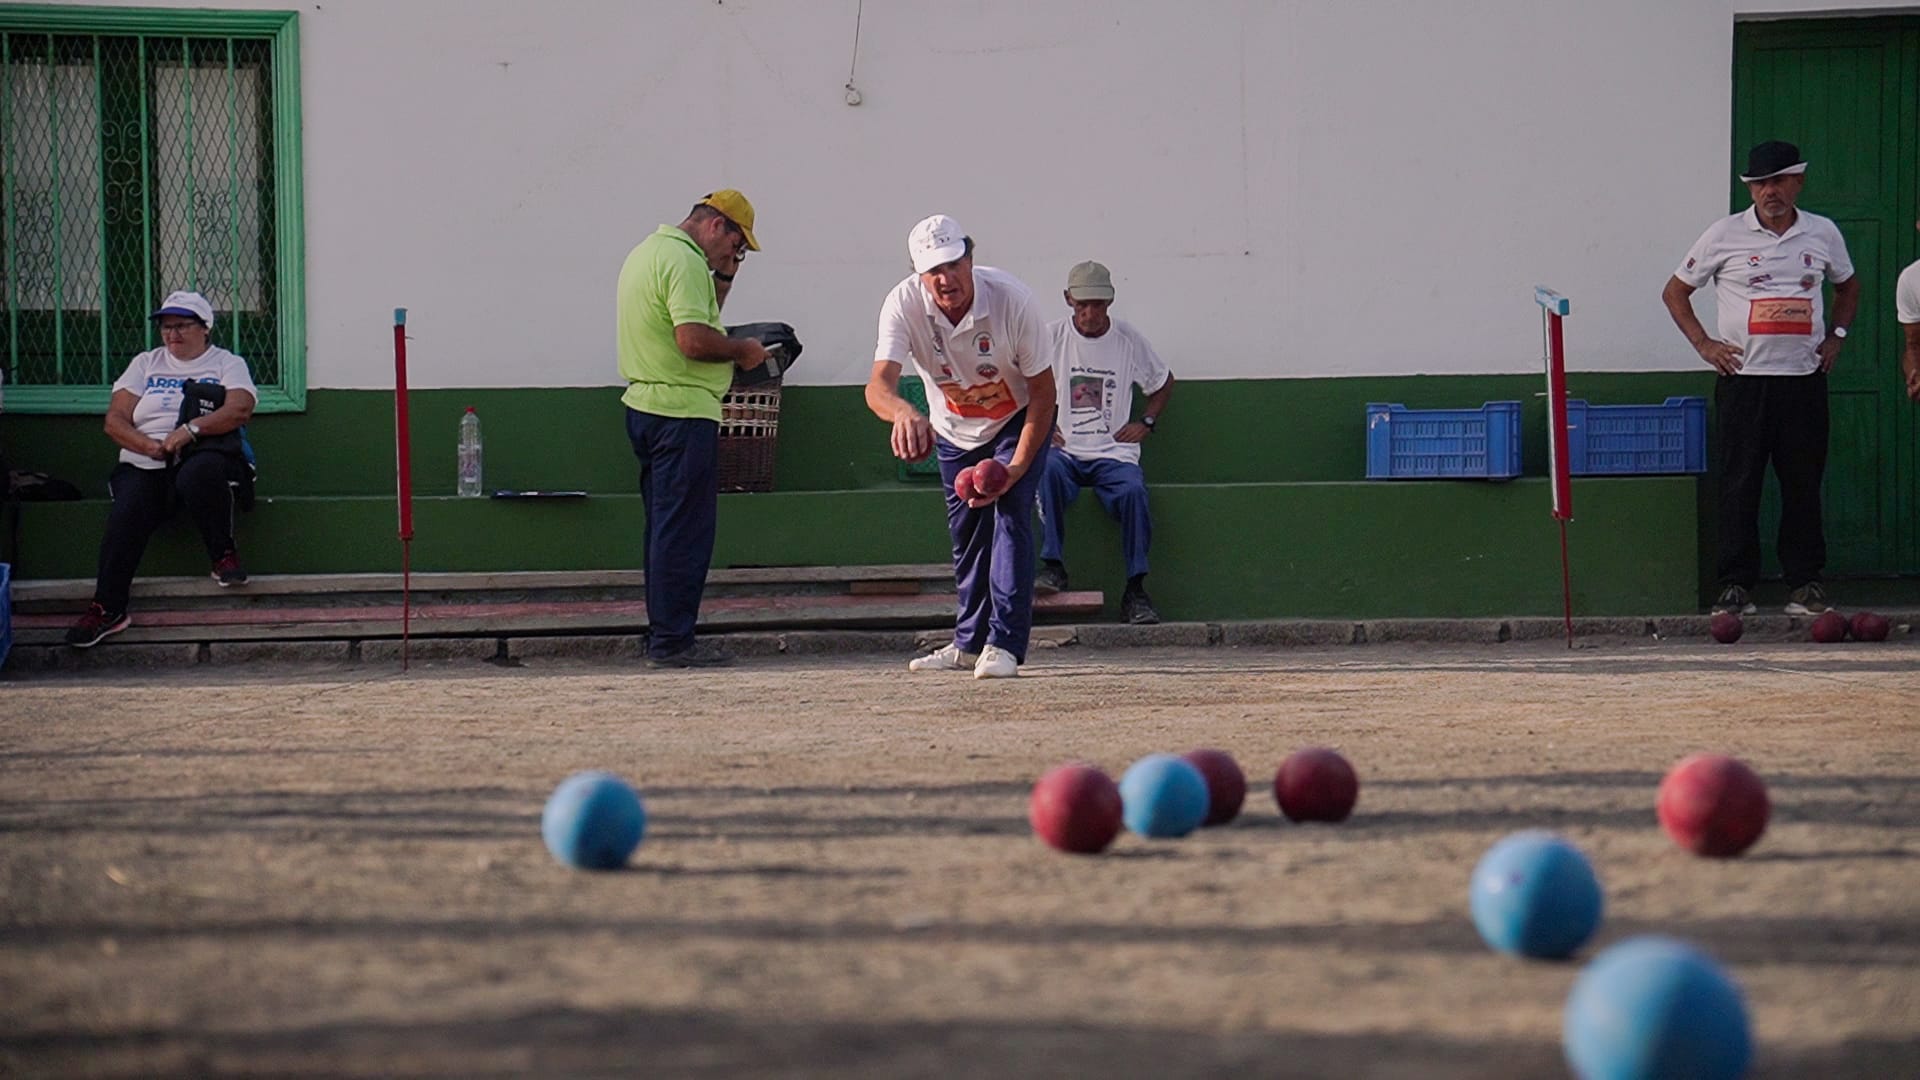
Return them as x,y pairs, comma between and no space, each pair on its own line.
403,468
1554,308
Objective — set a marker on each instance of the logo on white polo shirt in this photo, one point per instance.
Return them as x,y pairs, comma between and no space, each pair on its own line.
1759,279
1806,259
984,343
1753,260
988,371
1808,281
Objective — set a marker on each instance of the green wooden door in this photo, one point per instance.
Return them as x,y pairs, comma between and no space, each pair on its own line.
1847,92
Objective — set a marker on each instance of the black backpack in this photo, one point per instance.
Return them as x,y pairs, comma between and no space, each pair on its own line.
779,339
198,399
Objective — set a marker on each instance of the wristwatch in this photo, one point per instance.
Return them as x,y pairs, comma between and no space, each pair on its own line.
193,429
1840,332
1150,421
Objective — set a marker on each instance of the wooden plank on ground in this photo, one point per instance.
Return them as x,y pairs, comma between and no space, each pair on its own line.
80,590
884,588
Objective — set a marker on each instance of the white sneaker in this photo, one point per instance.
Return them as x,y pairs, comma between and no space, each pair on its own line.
946,658
996,663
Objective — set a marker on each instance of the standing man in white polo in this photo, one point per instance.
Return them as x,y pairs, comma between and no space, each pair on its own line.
1773,352
1097,361
976,337
1906,301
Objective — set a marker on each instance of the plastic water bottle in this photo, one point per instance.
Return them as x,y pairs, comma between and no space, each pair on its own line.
469,485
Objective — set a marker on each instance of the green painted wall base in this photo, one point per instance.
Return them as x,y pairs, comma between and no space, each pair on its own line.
1221,551
1260,510
1227,431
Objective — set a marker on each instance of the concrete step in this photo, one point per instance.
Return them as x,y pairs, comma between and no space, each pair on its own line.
462,619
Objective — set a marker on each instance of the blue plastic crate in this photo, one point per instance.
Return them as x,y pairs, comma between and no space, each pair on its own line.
1637,440
1441,444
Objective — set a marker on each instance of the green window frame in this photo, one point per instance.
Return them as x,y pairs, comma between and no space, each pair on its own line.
144,150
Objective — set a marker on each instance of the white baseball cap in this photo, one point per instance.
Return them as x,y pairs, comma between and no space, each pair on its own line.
936,241
190,304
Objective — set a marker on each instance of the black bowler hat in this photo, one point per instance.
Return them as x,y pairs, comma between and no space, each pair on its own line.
1774,158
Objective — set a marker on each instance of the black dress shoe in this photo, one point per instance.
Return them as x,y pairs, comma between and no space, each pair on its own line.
697,655
1136,609
1052,578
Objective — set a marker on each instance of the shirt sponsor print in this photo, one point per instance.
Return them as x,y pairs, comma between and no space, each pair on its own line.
989,401
938,338
1788,315
990,398
173,382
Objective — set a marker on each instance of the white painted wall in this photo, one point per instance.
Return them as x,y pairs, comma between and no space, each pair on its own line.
1282,187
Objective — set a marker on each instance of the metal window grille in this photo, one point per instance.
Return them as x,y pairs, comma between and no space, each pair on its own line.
131,165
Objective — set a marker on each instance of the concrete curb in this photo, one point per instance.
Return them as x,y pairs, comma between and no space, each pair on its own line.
1304,633
1273,633
281,652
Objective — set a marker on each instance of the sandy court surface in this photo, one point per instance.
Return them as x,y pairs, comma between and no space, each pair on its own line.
339,871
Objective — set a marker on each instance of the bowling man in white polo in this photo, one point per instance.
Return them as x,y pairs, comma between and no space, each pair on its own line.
975,336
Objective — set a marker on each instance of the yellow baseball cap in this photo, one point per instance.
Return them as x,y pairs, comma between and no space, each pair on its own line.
738,210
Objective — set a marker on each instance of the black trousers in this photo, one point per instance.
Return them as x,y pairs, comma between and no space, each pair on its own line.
680,484
1780,419
144,498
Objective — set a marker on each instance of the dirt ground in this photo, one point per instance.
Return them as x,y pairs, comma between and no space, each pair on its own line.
307,871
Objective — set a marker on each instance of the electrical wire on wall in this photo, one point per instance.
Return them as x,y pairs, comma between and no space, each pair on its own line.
853,92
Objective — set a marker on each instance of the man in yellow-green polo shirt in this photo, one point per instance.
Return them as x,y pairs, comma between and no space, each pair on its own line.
678,361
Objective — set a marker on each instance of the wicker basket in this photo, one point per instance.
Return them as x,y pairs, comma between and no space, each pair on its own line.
749,431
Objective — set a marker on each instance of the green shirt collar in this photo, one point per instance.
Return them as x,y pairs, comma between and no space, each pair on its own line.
677,233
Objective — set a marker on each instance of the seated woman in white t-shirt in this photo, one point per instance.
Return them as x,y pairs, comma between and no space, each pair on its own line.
166,463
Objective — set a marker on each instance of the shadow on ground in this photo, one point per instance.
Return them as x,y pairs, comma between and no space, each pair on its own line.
574,1042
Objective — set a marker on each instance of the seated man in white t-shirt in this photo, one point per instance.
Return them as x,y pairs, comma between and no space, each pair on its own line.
1906,300
166,463
1097,361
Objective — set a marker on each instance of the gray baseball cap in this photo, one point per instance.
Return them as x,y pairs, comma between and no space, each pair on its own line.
1089,281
